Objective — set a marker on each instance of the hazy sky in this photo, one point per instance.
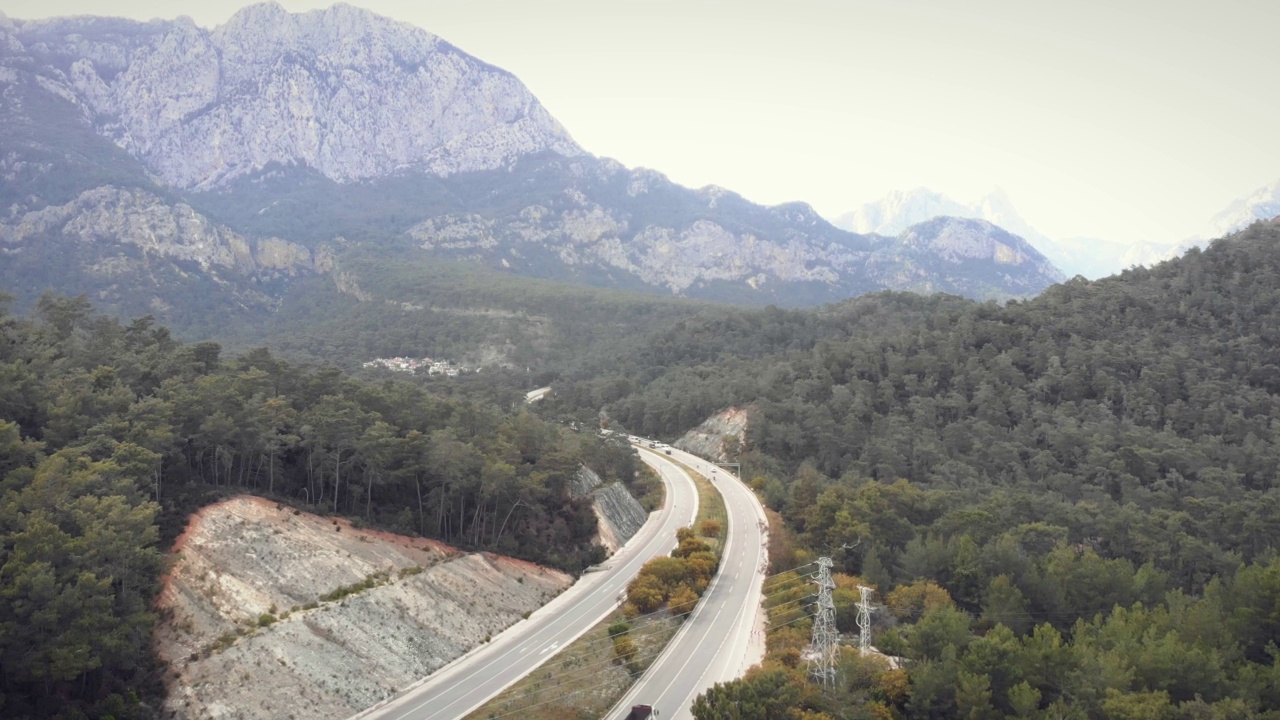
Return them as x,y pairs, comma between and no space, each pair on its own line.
1123,119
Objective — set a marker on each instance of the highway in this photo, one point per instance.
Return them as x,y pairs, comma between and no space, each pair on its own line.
715,643
470,681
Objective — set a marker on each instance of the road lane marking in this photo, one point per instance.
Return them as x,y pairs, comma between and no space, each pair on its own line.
670,524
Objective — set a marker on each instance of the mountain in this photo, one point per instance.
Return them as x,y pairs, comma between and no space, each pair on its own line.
595,222
1090,257
948,253
1097,258
900,209
344,91
1261,204
199,174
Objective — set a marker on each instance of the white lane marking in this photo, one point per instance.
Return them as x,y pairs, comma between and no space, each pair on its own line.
635,559
715,593
549,648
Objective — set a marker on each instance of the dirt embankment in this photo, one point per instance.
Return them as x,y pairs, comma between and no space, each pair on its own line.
708,439
271,613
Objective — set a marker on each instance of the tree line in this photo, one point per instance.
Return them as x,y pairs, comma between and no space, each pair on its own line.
111,433
1090,475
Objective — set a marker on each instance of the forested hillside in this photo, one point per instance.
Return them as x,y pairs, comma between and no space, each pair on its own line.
399,303
1083,486
111,433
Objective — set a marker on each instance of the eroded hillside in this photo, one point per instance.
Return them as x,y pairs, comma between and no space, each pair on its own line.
272,613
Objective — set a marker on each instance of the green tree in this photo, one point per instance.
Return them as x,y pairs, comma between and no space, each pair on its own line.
1004,604
77,574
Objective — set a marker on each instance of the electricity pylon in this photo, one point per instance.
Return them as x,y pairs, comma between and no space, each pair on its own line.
826,642
864,620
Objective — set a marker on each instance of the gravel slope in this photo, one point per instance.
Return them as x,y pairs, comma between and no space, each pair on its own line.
247,635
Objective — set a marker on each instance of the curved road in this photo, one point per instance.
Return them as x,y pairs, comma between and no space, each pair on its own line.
470,681
716,642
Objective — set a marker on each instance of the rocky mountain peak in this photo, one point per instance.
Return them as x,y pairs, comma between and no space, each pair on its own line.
963,256
349,93
899,210
263,13
1261,204
954,238
354,35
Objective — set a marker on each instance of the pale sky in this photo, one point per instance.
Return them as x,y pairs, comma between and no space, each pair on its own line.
1130,120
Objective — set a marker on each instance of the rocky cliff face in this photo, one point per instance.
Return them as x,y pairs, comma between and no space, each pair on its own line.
156,227
347,92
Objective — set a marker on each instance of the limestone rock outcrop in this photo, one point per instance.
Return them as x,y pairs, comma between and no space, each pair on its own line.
173,230
708,439
344,91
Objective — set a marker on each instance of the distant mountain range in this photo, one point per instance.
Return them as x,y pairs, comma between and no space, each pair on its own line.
1260,205
166,168
1090,257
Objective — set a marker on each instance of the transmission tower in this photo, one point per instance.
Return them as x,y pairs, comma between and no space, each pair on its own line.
826,644
864,620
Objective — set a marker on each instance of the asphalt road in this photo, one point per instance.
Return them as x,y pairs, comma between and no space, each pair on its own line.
715,643
469,682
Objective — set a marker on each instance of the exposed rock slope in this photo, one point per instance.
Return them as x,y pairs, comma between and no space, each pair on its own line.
249,635
620,515
342,90
708,439
964,257
173,230
598,222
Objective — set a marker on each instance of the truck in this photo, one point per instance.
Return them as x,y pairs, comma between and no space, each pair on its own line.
641,712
